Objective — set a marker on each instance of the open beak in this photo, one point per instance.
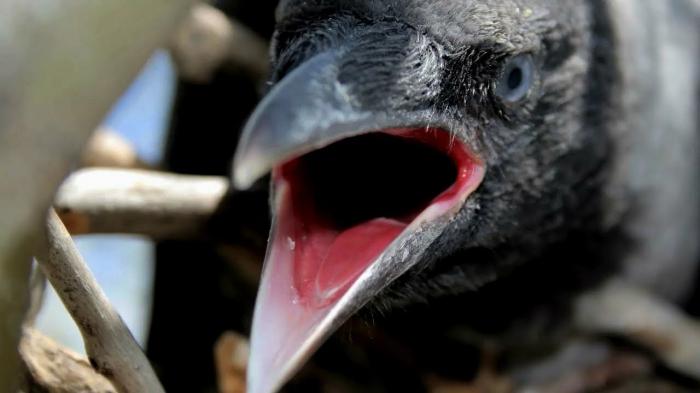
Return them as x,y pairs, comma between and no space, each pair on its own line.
358,196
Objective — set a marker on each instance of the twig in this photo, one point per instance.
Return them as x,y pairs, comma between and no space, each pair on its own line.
108,342
153,204
64,62
621,309
577,370
231,356
109,150
208,41
55,369
37,290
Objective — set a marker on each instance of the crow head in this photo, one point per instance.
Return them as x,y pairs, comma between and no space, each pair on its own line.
400,133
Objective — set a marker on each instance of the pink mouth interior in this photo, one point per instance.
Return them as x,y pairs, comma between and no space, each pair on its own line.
327,257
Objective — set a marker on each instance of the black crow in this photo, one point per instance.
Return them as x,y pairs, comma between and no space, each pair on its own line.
430,149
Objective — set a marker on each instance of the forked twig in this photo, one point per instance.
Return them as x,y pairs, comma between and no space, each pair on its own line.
112,349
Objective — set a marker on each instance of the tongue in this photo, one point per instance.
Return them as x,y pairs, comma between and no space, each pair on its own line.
349,254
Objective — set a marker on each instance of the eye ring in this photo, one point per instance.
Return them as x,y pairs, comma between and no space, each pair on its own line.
516,79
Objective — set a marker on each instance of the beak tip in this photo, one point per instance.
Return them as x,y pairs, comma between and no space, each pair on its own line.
241,181
242,175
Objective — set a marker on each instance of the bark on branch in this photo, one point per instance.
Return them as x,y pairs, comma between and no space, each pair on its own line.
112,349
140,202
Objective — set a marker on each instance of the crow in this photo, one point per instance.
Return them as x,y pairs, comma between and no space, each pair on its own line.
496,156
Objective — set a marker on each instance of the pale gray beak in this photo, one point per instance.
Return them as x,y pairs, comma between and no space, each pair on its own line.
307,110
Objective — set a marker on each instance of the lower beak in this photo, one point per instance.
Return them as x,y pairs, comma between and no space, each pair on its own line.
319,272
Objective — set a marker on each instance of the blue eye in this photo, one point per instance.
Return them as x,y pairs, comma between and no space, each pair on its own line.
517,79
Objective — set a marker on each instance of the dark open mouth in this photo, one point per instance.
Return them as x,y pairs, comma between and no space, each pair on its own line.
343,205
373,176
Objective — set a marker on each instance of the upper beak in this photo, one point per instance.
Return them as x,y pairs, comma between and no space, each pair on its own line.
306,111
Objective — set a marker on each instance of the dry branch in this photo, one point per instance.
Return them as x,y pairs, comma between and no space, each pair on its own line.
112,349
64,62
209,41
54,369
147,203
37,289
621,309
109,150
231,356
615,369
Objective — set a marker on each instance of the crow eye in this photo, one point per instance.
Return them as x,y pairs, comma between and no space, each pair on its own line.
517,79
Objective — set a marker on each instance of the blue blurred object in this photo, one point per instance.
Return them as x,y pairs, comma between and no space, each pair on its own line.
124,266
142,114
